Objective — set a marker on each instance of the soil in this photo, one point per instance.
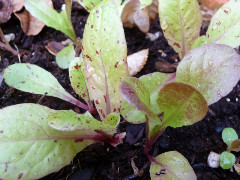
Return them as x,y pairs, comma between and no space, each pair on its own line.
101,161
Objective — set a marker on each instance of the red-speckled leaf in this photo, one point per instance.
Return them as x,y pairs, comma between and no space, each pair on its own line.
214,69
78,79
89,4
70,121
172,166
30,148
182,104
180,22
36,80
225,25
105,56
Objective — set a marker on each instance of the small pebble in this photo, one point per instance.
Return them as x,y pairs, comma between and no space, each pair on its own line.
9,37
154,36
227,99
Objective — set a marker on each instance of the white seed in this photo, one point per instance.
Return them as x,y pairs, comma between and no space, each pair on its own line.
9,37
154,36
213,160
236,99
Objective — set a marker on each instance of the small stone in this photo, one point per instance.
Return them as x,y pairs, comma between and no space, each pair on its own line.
213,160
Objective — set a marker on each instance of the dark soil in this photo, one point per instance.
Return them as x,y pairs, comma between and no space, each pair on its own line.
101,161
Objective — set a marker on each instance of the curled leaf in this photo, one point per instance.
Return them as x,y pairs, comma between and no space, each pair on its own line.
171,166
137,61
214,69
78,79
54,47
29,147
30,24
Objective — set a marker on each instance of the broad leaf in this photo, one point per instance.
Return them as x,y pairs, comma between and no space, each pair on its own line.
36,80
153,82
59,21
78,79
105,56
227,160
67,120
89,4
213,69
65,56
225,25
171,166
29,148
180,22
182,104
229,135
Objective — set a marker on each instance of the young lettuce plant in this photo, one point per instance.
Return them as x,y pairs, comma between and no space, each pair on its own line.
36,140
203,77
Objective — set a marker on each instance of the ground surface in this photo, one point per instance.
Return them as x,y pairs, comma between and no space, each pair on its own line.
101,161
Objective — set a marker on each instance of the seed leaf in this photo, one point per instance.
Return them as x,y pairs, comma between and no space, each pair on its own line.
29,147
172,166
66,120
181,25
229,135
105,56
225,25
214,69
182,105
227,160
78,79
59,21
65,56
36,80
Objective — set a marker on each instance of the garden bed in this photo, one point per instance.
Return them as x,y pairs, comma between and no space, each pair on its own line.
100,161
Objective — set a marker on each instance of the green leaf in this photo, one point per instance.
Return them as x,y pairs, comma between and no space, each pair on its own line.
65,56
105,56
145,3
180,22
227,160
78,79
36,80
136,94
29,148
171,166
229,135
225,25
67,120
202,40
59,21
89,4
182,105
153,83
213,69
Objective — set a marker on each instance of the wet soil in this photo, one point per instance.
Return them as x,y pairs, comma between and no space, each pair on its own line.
100,161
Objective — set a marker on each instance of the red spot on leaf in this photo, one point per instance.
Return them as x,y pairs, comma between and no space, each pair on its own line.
226,11
6,164
176,44
20,175
91,26
78,140
88,122
97,102
28,67
105,98
82,48
114,110
1,132
77,66
116,65
97,52
55,141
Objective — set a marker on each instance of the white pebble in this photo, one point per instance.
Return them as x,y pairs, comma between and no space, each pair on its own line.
227,99
213,160
154,36
9,37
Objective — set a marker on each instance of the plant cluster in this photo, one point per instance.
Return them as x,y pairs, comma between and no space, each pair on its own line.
36,140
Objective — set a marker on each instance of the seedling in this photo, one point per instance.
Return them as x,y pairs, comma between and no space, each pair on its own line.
201,79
